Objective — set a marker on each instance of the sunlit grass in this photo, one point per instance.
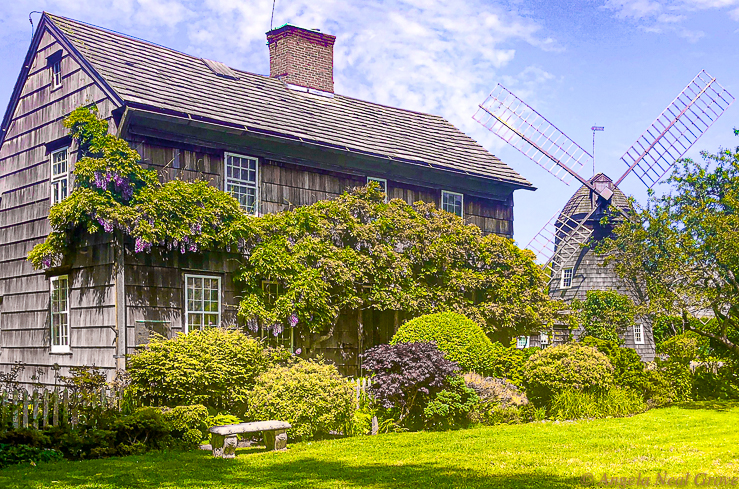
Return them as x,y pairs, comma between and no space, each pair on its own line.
694,438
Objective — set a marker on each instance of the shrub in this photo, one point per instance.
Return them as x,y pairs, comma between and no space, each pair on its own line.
570,366
450,407
461,339
495,414
407,376
496,391
713,382
684,348
214,367
628,368
616,402
18,454
508,363
190,423
667,382
309,395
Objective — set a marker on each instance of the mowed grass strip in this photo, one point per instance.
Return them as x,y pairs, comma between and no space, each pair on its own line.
693,438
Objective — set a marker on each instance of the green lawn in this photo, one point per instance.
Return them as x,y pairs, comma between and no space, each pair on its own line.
696,438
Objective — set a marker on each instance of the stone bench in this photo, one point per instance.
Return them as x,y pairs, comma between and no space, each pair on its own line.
224,439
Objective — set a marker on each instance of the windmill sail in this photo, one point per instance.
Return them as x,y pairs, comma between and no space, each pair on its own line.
670,136
516,123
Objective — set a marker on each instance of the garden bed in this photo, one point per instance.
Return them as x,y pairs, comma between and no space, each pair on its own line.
691,438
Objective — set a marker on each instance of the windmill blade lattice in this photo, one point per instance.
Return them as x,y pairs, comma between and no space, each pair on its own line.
692,112
516,123
561,238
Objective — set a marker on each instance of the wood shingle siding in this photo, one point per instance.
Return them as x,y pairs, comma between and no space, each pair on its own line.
37,120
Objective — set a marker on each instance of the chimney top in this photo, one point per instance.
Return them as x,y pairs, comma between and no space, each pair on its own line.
302,57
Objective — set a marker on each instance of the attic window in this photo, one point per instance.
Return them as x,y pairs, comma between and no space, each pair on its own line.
220,69
54,62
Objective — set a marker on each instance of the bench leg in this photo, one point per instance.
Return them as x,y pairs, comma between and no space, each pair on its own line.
224,446
275,440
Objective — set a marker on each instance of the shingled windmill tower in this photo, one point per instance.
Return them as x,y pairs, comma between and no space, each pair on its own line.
566,242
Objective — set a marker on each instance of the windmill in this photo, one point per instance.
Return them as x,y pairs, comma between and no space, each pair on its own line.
564,244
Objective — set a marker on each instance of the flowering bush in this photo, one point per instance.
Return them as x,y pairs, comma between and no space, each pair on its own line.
569,366
461,339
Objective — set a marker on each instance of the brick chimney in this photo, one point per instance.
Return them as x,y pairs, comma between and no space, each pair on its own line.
302,57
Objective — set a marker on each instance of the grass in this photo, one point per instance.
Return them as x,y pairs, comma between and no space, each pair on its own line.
692,438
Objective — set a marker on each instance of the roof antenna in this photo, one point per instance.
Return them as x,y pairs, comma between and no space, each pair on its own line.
271,21
595,128
31,20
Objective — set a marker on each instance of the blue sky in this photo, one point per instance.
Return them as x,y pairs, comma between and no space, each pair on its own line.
612,63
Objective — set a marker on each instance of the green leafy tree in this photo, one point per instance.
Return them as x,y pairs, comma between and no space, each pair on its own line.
605,314
357,252
679,254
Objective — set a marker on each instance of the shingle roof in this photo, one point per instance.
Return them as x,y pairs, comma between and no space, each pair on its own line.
144,73
580,204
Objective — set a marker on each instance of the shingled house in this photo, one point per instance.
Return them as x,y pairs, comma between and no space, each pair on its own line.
272,141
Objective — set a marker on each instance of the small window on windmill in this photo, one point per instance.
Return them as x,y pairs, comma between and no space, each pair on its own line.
638,334
220,69
566,281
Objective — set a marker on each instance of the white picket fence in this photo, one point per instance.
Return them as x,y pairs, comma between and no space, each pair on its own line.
43,408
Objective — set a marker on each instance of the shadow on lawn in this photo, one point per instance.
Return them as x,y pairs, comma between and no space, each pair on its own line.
205,472
712,405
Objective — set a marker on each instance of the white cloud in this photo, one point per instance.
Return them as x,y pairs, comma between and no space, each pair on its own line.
667,16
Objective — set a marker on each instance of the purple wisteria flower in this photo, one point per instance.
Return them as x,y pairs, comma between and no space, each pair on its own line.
142,245
293,320
298,351
196,228
277,329
253,325
46,261
107,226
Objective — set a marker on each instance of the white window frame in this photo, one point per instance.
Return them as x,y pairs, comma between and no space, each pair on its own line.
544,338
563,278
238,181
188,276
58,178
525,342
56,75
638,334
444,193
382,182
64,343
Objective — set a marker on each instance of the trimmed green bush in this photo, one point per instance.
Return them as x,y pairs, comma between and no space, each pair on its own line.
309,395
461,339
214,367
507,363
450,407
570,366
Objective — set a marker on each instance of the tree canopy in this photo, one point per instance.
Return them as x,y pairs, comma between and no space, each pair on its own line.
680,253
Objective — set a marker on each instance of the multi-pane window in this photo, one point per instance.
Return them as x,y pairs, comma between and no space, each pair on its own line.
59,314
566,278
59,175
544,339
56,74
522,342
638,334
452,202
202,302
241,180
381,182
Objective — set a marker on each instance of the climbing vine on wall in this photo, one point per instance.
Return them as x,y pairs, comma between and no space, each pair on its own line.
346,254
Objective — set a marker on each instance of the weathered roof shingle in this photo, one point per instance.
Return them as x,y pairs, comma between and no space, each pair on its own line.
145,73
